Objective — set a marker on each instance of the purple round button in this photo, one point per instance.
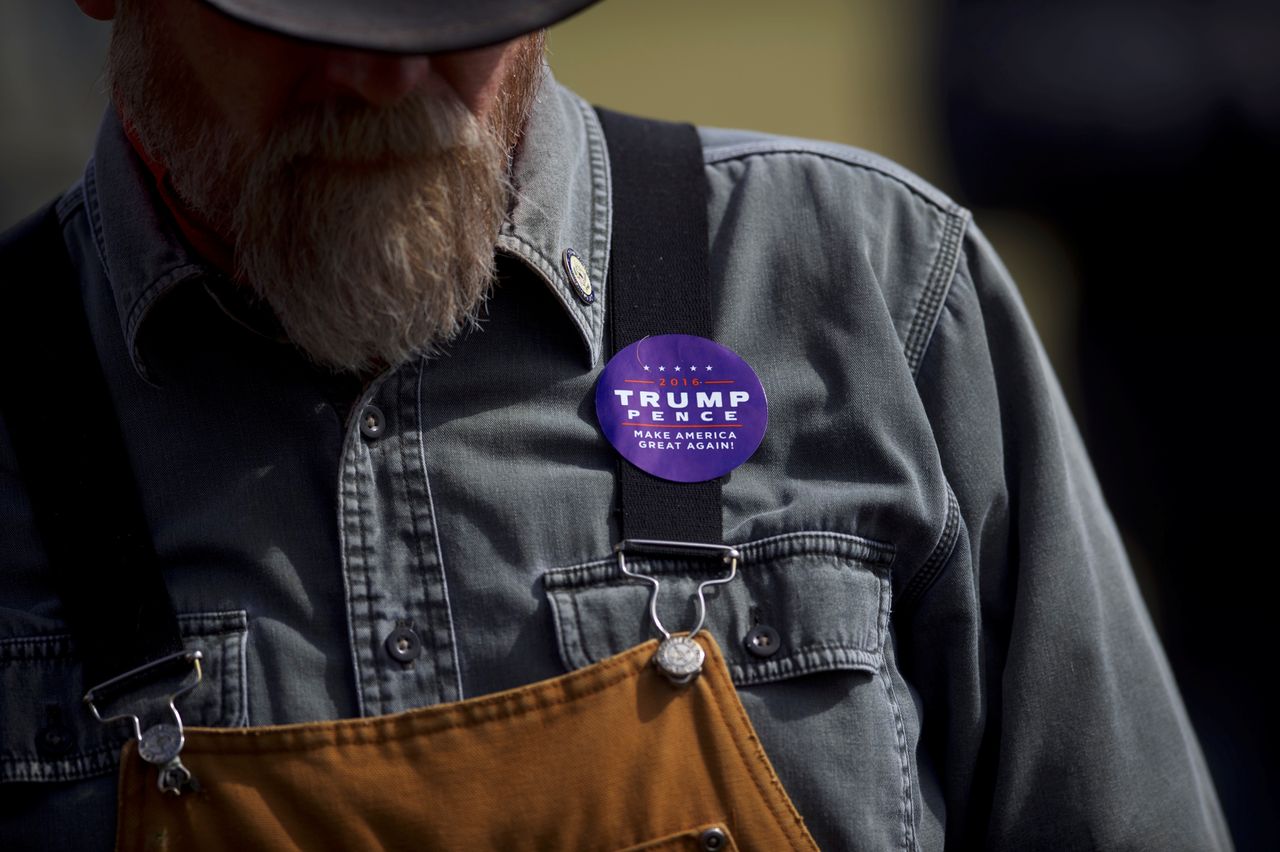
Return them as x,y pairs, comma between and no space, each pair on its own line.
681,407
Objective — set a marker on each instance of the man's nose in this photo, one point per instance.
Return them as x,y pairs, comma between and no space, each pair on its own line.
380,79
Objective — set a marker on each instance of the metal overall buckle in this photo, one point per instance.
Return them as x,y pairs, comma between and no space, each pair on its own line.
679,657
143,695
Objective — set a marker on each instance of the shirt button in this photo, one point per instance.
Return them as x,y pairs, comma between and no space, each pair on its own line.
54,741
403,645
763,641
372,423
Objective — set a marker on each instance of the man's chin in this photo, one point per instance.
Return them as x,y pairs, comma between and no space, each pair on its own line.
370,261
390,332
365,274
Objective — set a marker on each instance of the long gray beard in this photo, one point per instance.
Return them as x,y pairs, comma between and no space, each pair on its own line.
369,231
373,259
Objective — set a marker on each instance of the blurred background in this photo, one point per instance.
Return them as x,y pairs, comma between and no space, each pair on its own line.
1122,157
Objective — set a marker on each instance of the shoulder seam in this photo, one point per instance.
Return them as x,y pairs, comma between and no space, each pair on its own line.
925,312
938,558
835,153
929,306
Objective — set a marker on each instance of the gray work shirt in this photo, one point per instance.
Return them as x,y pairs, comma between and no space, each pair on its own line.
964,658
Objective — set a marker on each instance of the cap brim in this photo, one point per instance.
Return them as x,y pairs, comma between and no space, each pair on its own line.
401,26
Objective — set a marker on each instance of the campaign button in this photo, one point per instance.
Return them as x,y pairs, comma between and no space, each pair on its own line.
681,407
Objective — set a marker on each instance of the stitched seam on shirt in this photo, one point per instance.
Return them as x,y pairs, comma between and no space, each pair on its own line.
851,646
366,559
932,567
601,194
900,727
941,274
243,676
882,553
407,420
581,632
95,215
876,562
571,655
226,697
799,662
98,761
431,509
50,646
736,156
350,527
228,622
604,573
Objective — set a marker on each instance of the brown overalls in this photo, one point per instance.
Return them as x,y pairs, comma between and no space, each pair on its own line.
609,757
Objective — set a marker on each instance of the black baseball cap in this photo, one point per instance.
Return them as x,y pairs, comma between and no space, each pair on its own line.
401,26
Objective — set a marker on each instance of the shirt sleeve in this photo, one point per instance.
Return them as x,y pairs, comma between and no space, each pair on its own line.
1049,708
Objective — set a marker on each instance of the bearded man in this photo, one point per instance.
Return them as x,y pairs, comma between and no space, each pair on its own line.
312,493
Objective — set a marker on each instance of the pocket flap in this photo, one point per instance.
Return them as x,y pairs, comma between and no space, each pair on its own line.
802,602
48,734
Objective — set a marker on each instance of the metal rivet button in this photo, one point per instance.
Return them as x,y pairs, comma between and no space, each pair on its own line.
55,740
579,277
763,641
403,645
372,423
713,839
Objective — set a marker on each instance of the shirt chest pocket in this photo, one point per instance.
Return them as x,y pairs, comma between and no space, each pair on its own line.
47,734
801,603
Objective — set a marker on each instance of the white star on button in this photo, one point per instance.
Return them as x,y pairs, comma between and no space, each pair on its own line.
662,369
646,368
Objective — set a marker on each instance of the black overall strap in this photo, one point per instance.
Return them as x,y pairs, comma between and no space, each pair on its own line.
72,460
659,283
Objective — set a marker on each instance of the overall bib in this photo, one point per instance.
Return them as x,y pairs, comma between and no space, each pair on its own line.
609,757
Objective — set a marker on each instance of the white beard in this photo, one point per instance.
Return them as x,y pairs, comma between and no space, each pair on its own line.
370,231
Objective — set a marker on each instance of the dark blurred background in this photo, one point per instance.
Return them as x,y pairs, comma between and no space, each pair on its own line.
1121,155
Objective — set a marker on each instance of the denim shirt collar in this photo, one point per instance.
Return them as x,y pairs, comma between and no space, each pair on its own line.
561,201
